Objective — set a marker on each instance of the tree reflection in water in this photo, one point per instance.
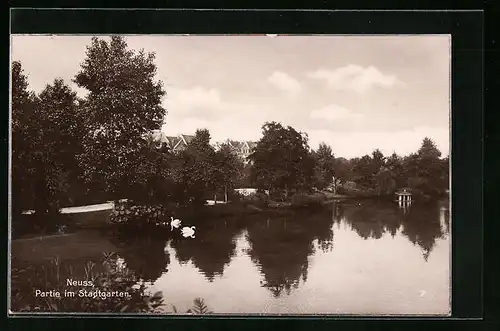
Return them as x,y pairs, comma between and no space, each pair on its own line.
420,223
145,257
281,247
213,248
371,219
422,226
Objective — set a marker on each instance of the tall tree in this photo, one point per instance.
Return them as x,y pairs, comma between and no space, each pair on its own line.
363,171
60,139
46,135
325,166
124,103
24,131
198,168
342,171
282,159
425,170
228,167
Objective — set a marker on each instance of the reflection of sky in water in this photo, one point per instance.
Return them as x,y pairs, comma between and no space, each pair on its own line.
388,275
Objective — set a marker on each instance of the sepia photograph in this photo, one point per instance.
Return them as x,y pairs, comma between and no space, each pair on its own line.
230,175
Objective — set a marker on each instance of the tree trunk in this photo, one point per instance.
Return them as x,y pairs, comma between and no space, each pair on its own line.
215,198
225,194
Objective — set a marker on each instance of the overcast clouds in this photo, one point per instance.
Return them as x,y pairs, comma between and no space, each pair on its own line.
356,93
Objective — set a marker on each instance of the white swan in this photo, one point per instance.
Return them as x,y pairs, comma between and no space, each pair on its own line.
188,231
174,223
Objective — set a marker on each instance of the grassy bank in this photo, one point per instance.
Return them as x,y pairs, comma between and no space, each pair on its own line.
30,225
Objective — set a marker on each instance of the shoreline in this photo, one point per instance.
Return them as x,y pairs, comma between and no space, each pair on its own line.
212,211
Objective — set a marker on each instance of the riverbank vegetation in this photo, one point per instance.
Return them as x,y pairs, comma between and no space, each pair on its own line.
109,287
70,150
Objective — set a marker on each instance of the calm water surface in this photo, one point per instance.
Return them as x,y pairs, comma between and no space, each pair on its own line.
351,258
364,257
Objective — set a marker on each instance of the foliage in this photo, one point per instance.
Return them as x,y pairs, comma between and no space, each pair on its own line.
227,168
67,150
110,278
199,307
282,160
426,173
197,171
129,213
23,128
259,199
304,200
46,133
155,182
124,103
325,166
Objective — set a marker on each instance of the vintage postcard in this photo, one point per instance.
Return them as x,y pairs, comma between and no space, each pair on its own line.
230,174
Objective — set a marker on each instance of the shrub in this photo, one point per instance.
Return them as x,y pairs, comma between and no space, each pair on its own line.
258,199
129,213
107,277
235,196
303,200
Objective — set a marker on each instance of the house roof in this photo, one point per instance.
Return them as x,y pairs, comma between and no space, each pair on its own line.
156,134
234,144
175,141
241,144
251,144
171,141
187,138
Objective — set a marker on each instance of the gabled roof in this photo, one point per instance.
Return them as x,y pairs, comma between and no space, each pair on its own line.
252,144
241,144
234,144
187,138
156,134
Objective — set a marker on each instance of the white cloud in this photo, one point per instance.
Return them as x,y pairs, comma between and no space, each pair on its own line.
183,99
354,78
404,142
334,112
230,127
204,103
205,108
284,82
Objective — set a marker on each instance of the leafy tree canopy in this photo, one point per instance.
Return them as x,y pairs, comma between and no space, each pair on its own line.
123,104
282,158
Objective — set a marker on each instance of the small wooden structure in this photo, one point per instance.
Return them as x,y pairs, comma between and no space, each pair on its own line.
403,195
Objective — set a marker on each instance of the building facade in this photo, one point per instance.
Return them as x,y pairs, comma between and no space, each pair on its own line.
178,143
175,143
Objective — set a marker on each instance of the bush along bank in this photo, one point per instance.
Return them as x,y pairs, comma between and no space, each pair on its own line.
140,216
134,216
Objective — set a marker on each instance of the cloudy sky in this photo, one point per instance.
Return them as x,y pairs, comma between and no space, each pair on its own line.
356,93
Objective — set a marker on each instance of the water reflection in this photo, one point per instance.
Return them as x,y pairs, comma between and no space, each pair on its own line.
422,227
281,247
277,263
212,250
145,257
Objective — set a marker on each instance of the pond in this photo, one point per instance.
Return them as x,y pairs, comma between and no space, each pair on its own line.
352,257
